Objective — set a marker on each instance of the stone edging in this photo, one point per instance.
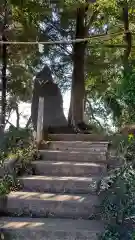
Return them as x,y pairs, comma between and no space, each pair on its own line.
8,166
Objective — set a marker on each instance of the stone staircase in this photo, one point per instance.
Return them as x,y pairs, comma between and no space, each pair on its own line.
60,199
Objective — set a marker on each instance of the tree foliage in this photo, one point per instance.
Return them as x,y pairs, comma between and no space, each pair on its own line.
118,197
105,82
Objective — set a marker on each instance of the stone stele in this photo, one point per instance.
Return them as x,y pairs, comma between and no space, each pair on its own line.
44,86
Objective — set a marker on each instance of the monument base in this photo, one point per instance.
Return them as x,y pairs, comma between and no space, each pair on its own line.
59,130
80,128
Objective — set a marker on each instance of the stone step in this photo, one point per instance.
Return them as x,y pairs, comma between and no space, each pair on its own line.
50,205
78,137
50,229
76,169
57,155
79,145
58,184
77,149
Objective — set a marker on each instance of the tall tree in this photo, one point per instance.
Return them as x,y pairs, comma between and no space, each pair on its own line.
4,63
83,23
95,74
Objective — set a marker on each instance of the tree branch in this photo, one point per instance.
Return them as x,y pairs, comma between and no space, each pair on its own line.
92,114
91,20
28,122
127,37
59,30
4,65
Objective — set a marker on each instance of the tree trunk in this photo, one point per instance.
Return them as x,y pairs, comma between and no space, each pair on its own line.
4,83
4,67
76,110
17,117
28,122
70,112
127,38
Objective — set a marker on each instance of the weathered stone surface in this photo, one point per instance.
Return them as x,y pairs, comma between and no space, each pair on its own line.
72,155
64,168
76,145
66,187
53,103
52,205
3,204
8,166
57,184
50,229
78,137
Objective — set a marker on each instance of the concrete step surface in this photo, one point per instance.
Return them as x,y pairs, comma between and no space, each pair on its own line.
78,137
68,168
73,155
56,202
57,184
80,145
75,149
50,229
74,206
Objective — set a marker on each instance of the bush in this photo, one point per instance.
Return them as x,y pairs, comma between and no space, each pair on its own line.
7,184
118,198
13,141
17,144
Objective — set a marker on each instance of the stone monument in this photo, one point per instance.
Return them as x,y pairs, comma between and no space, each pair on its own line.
53,119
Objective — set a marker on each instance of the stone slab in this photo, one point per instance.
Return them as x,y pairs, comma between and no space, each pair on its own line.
35,204
69,168
76,145
78,137
73,155
57,184
50,229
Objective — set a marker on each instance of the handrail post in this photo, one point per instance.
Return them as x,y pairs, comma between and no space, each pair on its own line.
39,135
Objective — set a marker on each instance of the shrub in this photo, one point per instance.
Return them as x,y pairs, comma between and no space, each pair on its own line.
118,198
17,144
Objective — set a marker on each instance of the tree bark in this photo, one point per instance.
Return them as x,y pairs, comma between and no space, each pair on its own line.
17,117
4,68
127,37
83,22
4,82
76,110
28,122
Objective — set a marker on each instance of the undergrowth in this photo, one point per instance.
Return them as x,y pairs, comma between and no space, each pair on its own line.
17,144
117,194
7,184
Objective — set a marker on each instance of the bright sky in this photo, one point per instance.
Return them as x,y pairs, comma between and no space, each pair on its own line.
25,109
